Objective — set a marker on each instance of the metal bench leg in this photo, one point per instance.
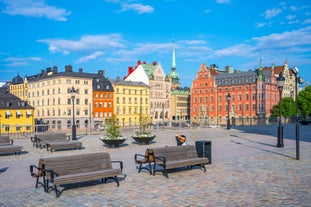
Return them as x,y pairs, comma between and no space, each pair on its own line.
116,179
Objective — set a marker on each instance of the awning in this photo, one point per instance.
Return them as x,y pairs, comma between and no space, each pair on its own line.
8,113
28,113
18,113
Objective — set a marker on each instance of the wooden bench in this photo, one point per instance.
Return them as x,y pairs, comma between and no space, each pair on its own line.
61,170
7,147
176,156
55,141
5,140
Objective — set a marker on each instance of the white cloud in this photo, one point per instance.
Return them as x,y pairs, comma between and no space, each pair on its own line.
92,56
293,43
223,1
290,17
261,24
270,13
32,8
301,37
139,8
307,21
86,43
20,61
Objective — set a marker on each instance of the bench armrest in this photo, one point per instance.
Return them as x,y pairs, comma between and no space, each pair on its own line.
160,158
120,163
50,172
33,174
143,160
11,141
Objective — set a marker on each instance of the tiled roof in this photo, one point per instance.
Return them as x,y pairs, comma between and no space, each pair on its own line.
9,101
119,81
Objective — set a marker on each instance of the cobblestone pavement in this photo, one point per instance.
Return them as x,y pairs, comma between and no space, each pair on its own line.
247,170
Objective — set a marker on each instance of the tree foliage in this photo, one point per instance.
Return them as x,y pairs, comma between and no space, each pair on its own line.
304,101
289,105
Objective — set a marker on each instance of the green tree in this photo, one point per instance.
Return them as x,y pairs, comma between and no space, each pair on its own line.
304,102
112,128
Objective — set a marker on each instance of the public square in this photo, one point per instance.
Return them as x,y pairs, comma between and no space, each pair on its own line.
247,169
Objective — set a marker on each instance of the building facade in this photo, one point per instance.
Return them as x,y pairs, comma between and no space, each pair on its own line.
246,98
131,102
16,116
103,99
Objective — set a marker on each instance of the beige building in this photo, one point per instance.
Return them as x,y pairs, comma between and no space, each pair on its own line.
289,84
50,94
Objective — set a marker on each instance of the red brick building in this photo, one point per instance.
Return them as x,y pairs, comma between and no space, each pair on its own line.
252,96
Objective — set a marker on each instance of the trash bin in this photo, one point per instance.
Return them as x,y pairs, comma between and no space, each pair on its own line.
204,149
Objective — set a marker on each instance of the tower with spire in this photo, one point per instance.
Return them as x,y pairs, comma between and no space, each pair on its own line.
173,76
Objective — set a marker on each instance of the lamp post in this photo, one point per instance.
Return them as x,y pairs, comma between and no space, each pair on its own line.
73,96
140,110
228,97
300,81
280,82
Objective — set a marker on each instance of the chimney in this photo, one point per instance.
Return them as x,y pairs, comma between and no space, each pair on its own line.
130,70
48,69
118,79
80,70
68,68
42,71
55,69
101,73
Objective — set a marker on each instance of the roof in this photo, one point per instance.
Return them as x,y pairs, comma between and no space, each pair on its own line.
9,101
119,81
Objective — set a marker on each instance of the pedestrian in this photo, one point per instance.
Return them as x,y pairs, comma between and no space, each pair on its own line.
180,139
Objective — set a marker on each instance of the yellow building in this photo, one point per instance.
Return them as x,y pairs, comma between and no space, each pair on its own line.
131,101
16,116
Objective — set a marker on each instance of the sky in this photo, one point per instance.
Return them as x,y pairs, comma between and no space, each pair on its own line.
113,35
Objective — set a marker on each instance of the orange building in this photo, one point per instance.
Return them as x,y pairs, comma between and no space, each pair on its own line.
103,96
252,96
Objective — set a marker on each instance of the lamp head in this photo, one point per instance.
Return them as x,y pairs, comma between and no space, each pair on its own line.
280,80
228,97
295,71
73,91
300,80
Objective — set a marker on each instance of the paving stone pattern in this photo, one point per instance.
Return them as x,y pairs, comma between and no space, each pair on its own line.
247,170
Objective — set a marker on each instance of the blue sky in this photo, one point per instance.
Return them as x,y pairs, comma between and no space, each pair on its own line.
114,34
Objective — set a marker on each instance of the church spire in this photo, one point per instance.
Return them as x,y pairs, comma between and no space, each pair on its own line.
173,58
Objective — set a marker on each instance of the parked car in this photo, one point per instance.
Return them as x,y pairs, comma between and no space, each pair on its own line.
305,122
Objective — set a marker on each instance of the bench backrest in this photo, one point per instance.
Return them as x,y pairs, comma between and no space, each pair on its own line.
71,164
51,136
173,153
5,140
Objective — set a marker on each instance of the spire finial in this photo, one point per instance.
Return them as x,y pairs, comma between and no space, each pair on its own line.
173,58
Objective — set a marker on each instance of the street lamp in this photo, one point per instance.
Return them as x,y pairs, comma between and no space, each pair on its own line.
280,82
300,81
73,96
228,97
140,110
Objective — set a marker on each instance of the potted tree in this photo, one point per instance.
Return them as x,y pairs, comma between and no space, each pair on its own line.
112,134
144,135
